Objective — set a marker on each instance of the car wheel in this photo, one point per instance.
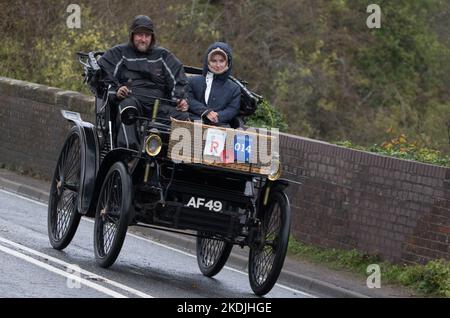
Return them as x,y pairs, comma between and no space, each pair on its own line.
112,215
212,254
63,217
266,258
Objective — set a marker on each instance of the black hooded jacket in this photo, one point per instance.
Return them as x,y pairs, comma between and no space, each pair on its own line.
224,97
156,72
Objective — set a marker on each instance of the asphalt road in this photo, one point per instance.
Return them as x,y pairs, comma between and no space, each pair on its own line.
30,267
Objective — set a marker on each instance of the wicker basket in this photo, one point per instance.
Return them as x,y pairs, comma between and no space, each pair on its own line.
192,150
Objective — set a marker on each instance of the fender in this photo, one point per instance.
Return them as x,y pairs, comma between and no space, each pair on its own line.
113,156
89,154
279,184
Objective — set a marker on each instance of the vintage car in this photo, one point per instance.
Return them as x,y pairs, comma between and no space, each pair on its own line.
221,202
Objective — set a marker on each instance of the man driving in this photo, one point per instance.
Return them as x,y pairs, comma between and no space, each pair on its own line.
139,72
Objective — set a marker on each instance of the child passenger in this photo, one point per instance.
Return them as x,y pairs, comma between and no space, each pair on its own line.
213,97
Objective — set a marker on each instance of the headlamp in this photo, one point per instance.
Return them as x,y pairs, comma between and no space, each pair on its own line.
153,145
275,170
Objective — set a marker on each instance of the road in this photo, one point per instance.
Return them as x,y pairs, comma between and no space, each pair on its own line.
30,267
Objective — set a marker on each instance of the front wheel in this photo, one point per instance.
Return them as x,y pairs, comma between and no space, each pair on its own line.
112,215
212,255
267,256
63,217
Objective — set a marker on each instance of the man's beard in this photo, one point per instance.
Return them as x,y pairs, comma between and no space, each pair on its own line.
142,47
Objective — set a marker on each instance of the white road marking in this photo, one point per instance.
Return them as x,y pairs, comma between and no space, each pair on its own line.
24,197
227,267
76,269
55,270
167,247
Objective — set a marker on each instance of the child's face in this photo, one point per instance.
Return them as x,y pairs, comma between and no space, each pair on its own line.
217,63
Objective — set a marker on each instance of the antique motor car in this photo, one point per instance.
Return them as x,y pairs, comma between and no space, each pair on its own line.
222,201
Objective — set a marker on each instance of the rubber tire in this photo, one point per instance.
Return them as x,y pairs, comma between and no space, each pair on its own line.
75,217
218,263
107,259
262,288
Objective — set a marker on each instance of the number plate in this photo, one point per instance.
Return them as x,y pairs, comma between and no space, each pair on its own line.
204,204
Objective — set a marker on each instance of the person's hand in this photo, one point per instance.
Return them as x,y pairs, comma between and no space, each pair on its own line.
182,105
213,117
123,92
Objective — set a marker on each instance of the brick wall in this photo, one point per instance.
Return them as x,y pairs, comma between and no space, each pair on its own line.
348,199
32,129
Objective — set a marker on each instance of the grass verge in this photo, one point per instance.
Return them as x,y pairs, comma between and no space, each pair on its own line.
432,279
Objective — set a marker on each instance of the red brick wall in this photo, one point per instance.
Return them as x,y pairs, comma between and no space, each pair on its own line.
32,129
348,199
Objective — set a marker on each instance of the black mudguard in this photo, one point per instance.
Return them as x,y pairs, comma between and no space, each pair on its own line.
89,158
279,184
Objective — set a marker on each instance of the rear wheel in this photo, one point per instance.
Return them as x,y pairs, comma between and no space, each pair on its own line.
63,217
112,215
212,255
267,257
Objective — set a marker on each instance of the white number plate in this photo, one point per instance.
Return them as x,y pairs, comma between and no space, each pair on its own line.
212,205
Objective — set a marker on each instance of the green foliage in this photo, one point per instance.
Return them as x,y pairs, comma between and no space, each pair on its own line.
335,258
51,59
11,64
326,72
191,28
344,81
267,116
432,278
401,147
58,65
436,277
349,144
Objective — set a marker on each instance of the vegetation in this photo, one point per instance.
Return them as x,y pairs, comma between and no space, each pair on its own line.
316,62
267,116
401,147
432,278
